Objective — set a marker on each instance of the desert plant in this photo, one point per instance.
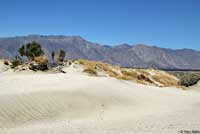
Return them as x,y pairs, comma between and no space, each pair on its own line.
41,59
90,71
6,62
15,63
61,56
22,51
53,55
31,50
187,78
165,80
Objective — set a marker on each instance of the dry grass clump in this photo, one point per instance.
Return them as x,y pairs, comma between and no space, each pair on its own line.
15,63
128,74
89,67
69,63
87,62
111,72
143,76
90,71
94,65
145,72
41,59
138,75
165,79
149,77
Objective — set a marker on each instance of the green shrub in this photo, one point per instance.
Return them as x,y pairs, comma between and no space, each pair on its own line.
53,55
61,56
31,50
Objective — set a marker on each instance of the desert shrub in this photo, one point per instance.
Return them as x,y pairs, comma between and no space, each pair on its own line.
88,63
129,73
142,71
112,73
39,63
81,62
61,56
70,63
31,50
165,80
15,63
6,62
36,67
90,70
135,75
108,69
53,55
143,77
89,66
187,78
41,59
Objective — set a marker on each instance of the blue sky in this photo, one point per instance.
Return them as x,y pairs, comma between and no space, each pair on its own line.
164,23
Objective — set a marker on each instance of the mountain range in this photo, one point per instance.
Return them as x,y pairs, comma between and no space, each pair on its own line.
142,56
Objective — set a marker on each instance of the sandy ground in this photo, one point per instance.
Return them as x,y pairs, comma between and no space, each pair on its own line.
75,103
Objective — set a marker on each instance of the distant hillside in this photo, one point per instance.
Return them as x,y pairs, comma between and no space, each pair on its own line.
124,55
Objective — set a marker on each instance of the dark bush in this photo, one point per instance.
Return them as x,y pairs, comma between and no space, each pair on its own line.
15,63
6,62
61,56
187,78
31,50
53,55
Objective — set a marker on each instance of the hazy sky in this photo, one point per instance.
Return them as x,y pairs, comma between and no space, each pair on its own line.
164,23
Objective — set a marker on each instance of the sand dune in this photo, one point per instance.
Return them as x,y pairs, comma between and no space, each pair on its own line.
79,104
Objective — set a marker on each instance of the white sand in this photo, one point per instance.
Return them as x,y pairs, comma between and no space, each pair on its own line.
75,103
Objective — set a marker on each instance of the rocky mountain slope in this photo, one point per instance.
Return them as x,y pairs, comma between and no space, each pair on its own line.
124,55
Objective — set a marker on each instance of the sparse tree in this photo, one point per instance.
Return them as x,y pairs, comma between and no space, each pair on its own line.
61,56
22,51
31,50
53,55
18,58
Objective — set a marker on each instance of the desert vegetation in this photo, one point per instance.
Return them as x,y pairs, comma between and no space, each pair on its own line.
187,78
143,76
61,56
31,50
15,63
37,60
53,56
90,71
6,62
34,56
